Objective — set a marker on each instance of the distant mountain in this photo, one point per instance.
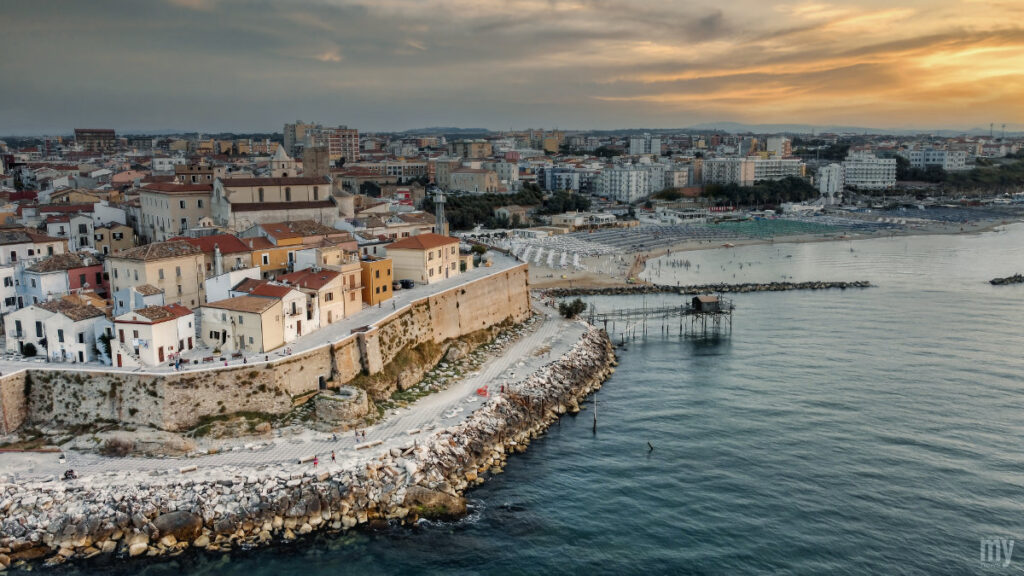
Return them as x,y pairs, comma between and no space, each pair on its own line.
735,127
446,130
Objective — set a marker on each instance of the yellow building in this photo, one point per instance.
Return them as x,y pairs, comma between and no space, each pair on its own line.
114,237
426,258
176,267
272,260
377,277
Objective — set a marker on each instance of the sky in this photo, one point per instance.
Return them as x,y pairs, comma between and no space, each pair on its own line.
381,65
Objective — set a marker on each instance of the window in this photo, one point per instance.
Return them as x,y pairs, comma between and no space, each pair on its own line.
39,329
223,317
160,273
240,319
430,255
115,272
213,335
135,333
99,278
266,259
177,271
181,204
33,281
17,328
81,337
199,203
352,297
287,194
431,272
316,192
49,251
261,194
8,281
453,249
136,275
179,290
250,340
378,290
376,273
82,229
81,279
329,296
60,335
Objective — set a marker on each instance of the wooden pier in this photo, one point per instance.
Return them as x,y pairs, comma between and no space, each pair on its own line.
702,317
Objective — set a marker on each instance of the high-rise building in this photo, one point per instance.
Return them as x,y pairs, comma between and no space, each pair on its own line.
645,144
779,146
95,139
298,135
864,171
342,143
630,183
948,160
831,181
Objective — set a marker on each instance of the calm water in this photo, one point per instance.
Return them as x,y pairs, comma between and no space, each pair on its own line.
873,431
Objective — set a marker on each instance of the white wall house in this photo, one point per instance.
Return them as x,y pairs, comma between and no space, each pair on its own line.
153,335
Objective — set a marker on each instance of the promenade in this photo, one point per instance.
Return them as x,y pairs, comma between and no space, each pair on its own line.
547,339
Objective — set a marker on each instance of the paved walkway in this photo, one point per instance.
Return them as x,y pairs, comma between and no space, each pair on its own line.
332,333
400,428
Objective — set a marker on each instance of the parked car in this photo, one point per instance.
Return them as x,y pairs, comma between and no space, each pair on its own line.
407,284
396,285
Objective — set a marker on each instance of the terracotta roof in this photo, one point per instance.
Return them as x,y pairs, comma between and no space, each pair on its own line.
417,217
309,279
148,289
257,207
59,262
65,208
297,229
158,314
227,243
271,291
253,182
75,312
259,243
252,304
174,188
159,251
423,242
249,284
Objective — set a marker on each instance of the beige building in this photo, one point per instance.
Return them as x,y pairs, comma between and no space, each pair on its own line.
175,267
473,180
470,148
169,210
197,173
240,203
247,324
326,292
426,258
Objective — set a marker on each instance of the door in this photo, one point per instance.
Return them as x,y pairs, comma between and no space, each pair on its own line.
160,354
189,342
81,356
119,360
298,327
120,335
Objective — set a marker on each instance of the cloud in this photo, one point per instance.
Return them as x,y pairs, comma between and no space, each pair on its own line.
389,64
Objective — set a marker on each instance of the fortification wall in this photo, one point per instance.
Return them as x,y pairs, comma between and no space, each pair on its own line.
179,401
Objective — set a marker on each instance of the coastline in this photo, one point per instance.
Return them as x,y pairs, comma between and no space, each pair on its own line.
168,512
636,265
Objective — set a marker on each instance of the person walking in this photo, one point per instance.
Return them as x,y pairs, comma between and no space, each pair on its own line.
315,461
333,459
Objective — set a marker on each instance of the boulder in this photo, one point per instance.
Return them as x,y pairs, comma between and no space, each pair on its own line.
137,549
434,504
183,526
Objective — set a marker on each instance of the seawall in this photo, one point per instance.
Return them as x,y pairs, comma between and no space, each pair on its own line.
167,513
180,400
704,288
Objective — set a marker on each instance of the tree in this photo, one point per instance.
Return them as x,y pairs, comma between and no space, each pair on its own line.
572,309
370,189
28,350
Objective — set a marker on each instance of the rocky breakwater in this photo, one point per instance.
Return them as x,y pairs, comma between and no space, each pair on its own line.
167,512
1015,279
705,288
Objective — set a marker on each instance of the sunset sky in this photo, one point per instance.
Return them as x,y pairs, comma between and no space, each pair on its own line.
215,65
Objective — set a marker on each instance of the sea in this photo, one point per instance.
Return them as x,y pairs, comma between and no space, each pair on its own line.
867,431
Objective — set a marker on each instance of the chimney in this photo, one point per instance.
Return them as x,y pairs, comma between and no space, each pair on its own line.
218,261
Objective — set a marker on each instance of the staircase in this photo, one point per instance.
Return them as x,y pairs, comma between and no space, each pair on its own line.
128,356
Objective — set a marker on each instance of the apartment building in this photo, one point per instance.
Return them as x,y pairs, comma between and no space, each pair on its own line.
175,267
169,209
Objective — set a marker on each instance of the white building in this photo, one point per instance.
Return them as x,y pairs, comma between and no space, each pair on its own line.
65,327
948,160
153,335
630,183
830,182
219,287
747,171
864,171
645,144
778,146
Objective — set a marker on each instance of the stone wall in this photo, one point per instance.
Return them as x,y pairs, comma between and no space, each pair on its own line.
179,401
13,409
